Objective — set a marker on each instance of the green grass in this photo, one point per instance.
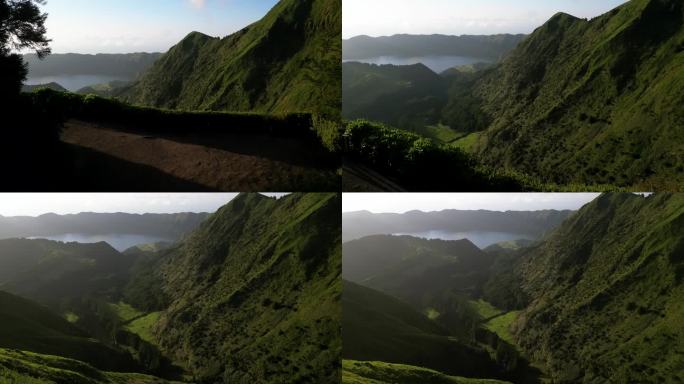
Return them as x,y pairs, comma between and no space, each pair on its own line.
468,142
432,313
485,309
20,367
144,327
440,133
253,292
501,325
376,372
71,317
288,61
125,311
614,304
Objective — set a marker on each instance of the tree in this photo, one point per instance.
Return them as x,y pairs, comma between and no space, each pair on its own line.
22,27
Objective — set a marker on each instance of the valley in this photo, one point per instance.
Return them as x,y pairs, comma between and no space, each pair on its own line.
579,305
88,313
556,110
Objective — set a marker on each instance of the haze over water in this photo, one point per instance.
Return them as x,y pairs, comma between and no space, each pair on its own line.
482,239
120,242
437,64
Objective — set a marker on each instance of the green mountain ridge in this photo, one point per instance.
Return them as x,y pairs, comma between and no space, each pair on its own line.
53,272
404,95
278,262
602,295
596,99
288,61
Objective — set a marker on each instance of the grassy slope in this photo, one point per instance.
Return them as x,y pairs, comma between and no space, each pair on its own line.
288,61
409,96
606,293
28,326
51,272
377,327
18,367
375,372
595,102
422,272
144,326
254,292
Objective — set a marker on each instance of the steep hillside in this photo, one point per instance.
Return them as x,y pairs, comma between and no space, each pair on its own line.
437,278
54,272
27,326
533,223
253,294
163,225
375,372
377,327
486,47
398,265
407,96
604,293
593,102
288,61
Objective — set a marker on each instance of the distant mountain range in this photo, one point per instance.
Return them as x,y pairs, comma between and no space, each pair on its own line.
534,223
289,61
128,65
487,48
163,225
578,101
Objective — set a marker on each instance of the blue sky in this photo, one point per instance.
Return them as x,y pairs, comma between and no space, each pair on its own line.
458,17
122,26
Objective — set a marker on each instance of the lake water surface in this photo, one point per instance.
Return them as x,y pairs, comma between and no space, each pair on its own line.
482,239
120,242
73,82
436,63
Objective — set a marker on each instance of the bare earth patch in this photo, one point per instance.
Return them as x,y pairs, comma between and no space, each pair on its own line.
218,162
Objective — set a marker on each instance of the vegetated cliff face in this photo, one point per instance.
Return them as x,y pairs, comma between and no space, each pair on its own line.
253,295
605,293
289,61
594,101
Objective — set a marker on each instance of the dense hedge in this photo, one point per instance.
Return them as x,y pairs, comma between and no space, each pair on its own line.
94,108
417,162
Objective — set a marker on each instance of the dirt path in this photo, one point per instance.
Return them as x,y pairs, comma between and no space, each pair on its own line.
359,178
226,163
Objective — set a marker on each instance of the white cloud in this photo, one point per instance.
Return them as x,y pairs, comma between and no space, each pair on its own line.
198,3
